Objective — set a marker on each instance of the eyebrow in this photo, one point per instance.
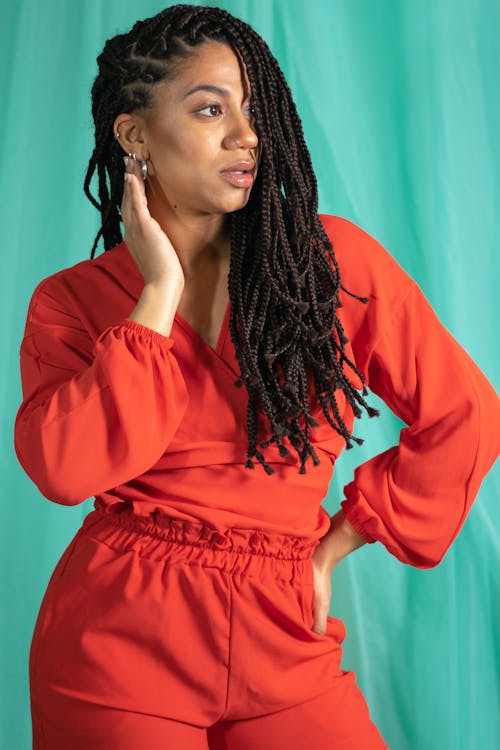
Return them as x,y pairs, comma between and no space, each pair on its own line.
208,87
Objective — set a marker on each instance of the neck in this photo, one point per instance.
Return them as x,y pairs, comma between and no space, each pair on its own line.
198,239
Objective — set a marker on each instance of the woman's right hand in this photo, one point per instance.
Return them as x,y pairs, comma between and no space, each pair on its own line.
150,247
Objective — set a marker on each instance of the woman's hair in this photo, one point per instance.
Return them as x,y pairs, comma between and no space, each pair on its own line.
284,290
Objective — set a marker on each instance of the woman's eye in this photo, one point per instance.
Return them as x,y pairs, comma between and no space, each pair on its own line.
213,109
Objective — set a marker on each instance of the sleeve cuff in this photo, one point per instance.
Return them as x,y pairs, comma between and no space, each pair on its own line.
140,330
147,332
354,513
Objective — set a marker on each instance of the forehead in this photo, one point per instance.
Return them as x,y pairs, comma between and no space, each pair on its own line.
211,63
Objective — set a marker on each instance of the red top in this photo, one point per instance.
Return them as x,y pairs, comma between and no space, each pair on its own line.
114,409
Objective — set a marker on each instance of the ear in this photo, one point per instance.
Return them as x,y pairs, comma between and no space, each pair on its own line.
130,129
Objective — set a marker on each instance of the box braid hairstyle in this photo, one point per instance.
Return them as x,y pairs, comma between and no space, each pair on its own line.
284,291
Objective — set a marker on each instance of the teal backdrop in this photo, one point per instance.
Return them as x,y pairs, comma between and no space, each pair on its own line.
400,106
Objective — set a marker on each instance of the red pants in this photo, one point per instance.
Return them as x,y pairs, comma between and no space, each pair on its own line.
156,633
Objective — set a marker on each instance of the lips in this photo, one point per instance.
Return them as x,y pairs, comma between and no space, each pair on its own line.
241,174
241,167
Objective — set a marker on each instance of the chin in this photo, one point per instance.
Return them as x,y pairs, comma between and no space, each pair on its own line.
236,202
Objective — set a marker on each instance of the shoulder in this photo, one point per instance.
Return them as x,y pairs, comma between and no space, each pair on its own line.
91,268
367,270
56,291
366,267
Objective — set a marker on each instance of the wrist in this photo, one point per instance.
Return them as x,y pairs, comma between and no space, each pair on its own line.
165,284
339,541
157,305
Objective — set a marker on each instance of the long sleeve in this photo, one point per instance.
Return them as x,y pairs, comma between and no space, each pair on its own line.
415,497
95,413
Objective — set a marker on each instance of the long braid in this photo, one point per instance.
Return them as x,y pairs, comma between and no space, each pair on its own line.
284,281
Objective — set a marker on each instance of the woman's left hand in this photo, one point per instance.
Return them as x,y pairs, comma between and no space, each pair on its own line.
322,590
340,541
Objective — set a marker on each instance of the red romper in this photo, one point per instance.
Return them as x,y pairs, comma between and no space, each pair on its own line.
154,426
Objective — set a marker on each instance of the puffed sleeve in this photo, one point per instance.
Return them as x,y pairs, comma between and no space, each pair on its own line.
95,414
415,496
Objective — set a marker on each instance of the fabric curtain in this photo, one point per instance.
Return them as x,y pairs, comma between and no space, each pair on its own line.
401,113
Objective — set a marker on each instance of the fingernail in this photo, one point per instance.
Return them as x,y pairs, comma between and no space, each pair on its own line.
125,159
127,177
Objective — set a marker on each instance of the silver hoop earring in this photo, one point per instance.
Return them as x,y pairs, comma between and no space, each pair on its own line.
144,168
132,154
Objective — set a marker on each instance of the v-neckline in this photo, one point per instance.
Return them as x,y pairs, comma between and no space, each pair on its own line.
221,338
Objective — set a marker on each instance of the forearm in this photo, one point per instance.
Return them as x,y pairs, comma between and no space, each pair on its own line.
338,542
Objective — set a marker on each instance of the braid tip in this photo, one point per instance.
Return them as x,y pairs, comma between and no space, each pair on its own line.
261,459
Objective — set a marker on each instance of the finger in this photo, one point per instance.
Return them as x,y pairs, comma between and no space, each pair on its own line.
320,629
138,202
125,206
320,620
134,167
134,201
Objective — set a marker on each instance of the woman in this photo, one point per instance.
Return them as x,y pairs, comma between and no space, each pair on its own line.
199,378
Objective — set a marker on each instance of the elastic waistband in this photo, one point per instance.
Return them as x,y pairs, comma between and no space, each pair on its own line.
160,526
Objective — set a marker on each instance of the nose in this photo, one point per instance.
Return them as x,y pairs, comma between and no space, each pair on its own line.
242,134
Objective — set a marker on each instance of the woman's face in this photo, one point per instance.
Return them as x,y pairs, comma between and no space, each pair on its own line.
199,137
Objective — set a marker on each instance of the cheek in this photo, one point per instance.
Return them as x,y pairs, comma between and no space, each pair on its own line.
187,157
182,138
170,153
